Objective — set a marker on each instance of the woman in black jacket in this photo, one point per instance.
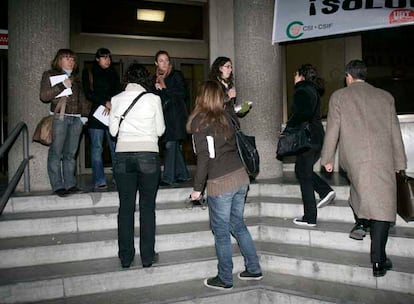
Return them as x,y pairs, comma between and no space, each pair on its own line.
306,108
170,86
100,84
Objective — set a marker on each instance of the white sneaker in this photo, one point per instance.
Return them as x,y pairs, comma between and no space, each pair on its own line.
301,222
327,199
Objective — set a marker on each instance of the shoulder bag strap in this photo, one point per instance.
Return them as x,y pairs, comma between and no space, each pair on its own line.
129,108
232,122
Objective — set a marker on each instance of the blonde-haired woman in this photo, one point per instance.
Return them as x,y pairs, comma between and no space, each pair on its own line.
219,165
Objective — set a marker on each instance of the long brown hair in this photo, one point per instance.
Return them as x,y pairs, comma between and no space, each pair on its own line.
210,103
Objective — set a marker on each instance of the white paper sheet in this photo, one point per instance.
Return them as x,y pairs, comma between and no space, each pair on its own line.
58,79
99,115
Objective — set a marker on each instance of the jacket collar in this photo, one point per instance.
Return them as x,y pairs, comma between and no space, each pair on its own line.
134,87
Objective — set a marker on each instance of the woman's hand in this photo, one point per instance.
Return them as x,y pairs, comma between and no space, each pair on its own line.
195,195
231,93
160,83
108,107
67,82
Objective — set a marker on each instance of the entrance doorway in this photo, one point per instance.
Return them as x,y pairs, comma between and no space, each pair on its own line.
194,71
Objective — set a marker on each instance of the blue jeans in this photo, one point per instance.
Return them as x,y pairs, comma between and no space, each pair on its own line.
137,171
97,137
61,162
175,168
226,217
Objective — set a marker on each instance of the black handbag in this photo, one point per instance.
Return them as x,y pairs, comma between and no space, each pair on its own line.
294,141
405,196
246,146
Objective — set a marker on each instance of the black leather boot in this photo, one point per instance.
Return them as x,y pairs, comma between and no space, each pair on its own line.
380,269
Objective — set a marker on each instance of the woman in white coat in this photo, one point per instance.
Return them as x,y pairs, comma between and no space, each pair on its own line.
137,163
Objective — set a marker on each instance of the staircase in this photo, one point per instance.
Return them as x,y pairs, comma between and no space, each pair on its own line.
64,250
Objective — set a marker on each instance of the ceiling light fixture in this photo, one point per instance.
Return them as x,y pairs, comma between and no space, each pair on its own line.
150,15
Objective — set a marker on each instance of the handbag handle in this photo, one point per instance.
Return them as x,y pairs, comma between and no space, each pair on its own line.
129,108
232,121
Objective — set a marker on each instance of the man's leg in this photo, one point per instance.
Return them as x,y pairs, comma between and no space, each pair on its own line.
379,236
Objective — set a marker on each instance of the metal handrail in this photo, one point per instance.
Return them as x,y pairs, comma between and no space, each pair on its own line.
24,165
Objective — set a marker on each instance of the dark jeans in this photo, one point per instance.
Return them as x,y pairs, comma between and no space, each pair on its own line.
137,171
175,168
310,182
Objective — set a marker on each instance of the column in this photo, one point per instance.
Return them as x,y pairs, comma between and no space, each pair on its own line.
37,29
221,29
258,74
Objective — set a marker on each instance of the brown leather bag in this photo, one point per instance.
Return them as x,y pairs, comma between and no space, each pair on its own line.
44,130
405,196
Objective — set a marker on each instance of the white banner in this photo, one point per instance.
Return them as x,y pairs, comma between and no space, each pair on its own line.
302,19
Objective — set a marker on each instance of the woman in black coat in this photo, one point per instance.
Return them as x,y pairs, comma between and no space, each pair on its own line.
170,86
306,107
100,84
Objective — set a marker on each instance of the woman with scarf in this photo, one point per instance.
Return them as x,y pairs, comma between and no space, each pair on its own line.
170,86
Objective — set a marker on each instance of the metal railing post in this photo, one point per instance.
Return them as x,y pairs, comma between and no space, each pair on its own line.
23,168
26,157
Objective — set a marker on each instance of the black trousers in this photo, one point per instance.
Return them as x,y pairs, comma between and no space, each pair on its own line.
309,182
137,171
379,236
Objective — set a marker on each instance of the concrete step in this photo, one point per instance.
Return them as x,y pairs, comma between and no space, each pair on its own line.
94,219
67,247
104,218
65,250
83,246
341,266
291,207
274,288
83,278
102,276
59,248
333,235
33,203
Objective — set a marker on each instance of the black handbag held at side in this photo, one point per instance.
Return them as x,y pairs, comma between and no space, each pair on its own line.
294,141
246,146
405,196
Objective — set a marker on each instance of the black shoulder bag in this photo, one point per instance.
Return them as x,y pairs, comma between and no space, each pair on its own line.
246,146
295,140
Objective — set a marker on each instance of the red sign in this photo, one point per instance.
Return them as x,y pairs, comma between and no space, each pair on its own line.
4,39
401,16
